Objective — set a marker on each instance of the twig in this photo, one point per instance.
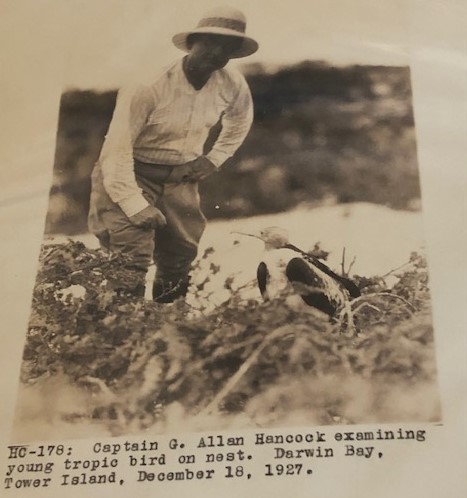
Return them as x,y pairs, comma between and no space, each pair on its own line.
395,269
385,294
213,405
366,305
346,273
242,345
88,266
351,264
101,385
250,283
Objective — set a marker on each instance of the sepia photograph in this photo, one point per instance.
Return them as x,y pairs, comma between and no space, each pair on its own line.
234,236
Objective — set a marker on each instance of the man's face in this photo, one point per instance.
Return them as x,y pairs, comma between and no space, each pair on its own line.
212,52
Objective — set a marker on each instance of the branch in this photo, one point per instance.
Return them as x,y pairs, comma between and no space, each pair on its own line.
213,405
345,272
385,294
88,379
395,269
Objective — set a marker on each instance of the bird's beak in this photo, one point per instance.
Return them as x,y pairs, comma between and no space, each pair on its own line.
247,235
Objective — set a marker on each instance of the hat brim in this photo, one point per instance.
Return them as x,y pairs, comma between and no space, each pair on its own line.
248,47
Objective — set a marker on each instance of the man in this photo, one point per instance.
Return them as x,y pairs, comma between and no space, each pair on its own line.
144,200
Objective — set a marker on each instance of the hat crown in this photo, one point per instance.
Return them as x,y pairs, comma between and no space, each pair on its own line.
224,17
221,21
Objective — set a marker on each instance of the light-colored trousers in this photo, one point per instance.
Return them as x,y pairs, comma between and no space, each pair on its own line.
172,248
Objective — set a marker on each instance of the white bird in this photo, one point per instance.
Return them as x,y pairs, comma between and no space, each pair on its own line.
285,264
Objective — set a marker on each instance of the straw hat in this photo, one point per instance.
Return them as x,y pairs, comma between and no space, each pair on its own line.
225,21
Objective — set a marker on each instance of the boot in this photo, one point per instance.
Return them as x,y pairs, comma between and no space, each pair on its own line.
164,291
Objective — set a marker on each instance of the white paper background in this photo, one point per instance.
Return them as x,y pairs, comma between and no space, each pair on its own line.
36,40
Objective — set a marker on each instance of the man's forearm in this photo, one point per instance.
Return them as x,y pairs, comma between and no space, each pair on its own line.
236,124
230,139
117,153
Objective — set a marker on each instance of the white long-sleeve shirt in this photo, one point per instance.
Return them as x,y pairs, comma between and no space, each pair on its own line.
168,122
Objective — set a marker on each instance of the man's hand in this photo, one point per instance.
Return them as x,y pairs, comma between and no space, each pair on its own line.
149,217
199,169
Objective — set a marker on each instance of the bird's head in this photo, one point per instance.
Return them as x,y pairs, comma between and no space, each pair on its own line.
273,237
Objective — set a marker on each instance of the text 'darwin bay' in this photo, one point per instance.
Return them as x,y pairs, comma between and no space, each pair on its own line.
163,461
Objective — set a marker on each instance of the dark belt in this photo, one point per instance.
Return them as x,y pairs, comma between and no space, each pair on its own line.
158,173
162,173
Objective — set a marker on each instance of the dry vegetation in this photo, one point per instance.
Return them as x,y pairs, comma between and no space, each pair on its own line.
266,363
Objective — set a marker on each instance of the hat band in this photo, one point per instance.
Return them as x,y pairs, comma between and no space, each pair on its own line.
222,22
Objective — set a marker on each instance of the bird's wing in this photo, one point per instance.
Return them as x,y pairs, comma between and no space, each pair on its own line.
315,287
353,290
263,277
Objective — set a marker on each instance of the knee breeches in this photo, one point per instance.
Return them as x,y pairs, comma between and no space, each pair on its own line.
172,248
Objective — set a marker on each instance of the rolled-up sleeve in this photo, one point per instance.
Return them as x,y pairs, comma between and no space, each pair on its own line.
116,159
236,123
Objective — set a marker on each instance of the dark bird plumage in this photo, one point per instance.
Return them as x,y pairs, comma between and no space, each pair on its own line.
314,290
